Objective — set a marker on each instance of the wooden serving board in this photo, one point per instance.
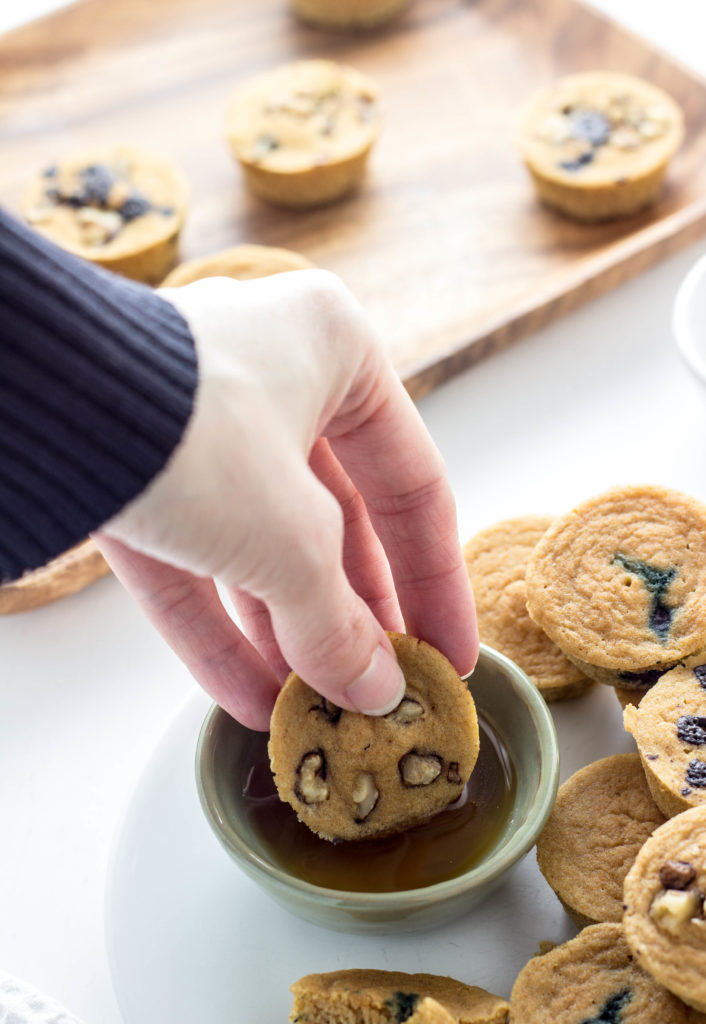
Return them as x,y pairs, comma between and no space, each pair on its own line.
65,575
444,244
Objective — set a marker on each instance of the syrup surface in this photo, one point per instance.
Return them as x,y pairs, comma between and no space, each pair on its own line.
442,848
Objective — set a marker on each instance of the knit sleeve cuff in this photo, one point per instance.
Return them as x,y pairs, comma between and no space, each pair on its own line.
97,383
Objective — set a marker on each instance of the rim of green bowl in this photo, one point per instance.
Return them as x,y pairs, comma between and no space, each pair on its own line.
517,844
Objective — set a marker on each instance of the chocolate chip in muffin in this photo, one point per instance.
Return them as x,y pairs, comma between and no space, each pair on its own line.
700,673
676,874
330,711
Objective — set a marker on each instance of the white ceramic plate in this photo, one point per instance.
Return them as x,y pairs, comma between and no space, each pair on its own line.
191,939
689,319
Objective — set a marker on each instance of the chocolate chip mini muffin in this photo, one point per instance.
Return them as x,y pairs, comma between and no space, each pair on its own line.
496,559
620,584
243,262
597,144
303,131
347,14
353,776
602,816
593,979
122,208
664,919
669,727
378,997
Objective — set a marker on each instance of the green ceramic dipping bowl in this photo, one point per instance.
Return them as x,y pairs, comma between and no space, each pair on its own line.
509,703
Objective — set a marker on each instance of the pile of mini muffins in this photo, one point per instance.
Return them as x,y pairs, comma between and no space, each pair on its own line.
613,593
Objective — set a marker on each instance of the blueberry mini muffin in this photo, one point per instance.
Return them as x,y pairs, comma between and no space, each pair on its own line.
353,776
243,262
379,997
597,144
593,979
496,559
602,816
620,584
303,131
669,727
664,919
122,208
347,14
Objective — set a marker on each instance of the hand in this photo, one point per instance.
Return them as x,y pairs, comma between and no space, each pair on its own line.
307,485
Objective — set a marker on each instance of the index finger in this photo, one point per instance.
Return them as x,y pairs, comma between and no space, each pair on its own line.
389,454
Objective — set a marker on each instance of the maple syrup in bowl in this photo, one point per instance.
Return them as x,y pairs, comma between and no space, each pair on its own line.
417,879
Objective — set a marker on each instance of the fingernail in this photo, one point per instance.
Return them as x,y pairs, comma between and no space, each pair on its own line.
380,688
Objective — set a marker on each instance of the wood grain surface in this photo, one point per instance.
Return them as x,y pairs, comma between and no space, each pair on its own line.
65,575
444,244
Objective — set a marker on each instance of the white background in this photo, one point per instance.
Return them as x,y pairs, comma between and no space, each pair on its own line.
598,398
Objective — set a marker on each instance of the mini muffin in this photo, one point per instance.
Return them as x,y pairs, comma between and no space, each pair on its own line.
619,583
602,816
243,262
347,14
664,919
669,727
592,979
496,559
122,208
353,776
303,131
349,997
597,144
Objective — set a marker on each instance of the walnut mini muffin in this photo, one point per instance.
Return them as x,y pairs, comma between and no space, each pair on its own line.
496,559
669,727
597,144
353,776
602,816
619,583
664,920
243,262
593,979
120,207
347,14
387,997
302,132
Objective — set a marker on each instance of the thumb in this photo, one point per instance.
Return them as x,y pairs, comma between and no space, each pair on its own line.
326,632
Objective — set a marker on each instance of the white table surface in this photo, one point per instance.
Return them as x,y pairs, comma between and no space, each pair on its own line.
598,398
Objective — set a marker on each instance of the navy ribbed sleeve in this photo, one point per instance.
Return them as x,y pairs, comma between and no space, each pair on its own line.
97,382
